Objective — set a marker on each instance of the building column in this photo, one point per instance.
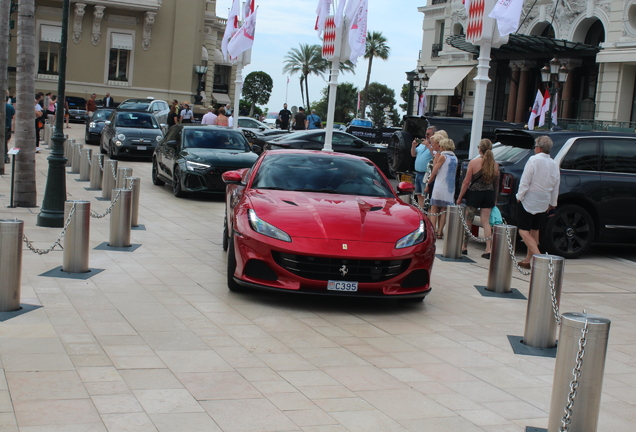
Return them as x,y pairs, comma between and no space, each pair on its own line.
522,106
566,92
512,96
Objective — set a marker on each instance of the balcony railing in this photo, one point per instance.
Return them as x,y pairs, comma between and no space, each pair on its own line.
435,49
436,2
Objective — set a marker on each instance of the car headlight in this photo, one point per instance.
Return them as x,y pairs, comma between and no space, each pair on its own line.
191,166
118,143
262,227
158,138
412,239
92,125
121,137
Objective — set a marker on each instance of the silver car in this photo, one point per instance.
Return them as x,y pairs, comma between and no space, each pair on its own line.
160,109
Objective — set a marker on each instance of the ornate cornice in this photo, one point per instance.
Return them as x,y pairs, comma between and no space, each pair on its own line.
98,16
77,22
149,20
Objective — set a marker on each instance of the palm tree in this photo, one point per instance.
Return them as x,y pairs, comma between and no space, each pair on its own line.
376,47
305,60
25,187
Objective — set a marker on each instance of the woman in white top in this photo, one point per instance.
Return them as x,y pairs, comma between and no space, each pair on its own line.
443,175
186,114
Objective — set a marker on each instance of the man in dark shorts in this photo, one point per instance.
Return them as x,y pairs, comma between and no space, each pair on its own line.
300,120
537,195
283,116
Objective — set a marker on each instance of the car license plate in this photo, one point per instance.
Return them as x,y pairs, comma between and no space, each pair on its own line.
342,286
406,178
141,147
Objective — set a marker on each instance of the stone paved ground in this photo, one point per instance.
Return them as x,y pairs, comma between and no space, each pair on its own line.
156,342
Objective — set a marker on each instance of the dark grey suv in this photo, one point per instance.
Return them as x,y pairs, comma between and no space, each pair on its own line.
597,195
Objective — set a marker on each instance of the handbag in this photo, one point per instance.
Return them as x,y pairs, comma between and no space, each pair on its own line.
495,217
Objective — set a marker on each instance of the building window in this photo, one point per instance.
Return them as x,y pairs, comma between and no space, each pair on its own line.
222,76
50,39
119,57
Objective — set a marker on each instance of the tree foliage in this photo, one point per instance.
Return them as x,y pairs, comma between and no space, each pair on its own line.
346,103
376,48
379,97
404,94
257,89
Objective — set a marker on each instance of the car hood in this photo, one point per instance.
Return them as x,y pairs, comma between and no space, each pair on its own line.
335,217
138,132
226,158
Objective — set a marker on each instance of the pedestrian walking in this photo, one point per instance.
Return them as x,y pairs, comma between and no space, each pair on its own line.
444,190
9,115
300,120
313,121
221,119
186,114
108,101
284,116
91,107
422,151
210,117
537,195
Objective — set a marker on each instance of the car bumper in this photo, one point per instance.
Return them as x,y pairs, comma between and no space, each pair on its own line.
259,266
134,150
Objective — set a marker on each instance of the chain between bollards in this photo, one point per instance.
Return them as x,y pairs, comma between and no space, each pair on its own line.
108,210
512,254
470,234
574,384
112,169
414,201
29,244
555,305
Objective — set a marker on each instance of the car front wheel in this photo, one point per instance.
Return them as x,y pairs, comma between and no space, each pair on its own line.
569,233
155,174
226,240
231,268
176,183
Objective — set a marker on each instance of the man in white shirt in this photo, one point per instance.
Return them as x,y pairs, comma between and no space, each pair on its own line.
209,118
537,195
230,120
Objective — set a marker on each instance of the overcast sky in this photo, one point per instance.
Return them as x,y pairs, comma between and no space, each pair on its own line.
284,24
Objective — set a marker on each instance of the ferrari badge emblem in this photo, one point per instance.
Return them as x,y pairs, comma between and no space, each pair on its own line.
343,270
344,246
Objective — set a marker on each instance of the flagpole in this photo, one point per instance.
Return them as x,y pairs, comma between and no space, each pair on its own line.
331,104
482,81
237,90
286,89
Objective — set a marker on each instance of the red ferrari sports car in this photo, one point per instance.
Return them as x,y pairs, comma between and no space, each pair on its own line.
324,223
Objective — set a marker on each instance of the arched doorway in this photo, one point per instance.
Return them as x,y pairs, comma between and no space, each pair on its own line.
585,78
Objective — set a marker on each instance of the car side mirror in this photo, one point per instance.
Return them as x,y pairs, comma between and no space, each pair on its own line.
232,177
257,149
108,122
262,128
163,125
405,188
172,144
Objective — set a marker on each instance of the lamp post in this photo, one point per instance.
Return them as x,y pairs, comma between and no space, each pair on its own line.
410,77
422,79
553,76
200,71
52,213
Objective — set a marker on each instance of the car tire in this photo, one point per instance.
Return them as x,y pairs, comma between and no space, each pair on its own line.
231,268
176,183
398,156
226,240
101,147
155,174
569,233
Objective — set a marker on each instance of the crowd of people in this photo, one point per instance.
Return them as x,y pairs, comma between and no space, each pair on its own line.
436,168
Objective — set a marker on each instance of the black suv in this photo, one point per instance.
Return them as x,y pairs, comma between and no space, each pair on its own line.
597,195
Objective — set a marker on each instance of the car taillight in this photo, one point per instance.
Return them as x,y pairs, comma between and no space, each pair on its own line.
506,184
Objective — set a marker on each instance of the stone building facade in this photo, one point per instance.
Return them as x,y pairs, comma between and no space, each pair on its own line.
132,49
594,39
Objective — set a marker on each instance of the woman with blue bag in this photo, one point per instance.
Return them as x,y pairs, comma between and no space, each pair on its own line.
480,188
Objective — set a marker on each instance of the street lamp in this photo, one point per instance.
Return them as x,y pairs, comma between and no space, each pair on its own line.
200,71
410,77
553,76
422,79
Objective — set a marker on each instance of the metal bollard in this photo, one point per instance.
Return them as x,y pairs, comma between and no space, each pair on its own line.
541,325
454,233
77,236
47,134
120,219
10,263
500,268
587,402
76,149
134,183
85,164
122,172
68,151
96,171
108,181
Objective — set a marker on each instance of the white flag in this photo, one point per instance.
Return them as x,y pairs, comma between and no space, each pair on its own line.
244,38
358,30
340,12
231,27
545,107
248,8
555,110
421,106
322,11
507,13
536,108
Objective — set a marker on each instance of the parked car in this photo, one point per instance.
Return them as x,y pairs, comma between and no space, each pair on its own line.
77,109
130,133
342,142
160,109
258,132
597,194
93,134
271,118
324,223
253,124
192,158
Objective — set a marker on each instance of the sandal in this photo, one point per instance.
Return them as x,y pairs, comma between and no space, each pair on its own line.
486,255
440,235
524,265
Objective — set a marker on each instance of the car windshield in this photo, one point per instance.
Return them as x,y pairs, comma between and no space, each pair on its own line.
220,139
101,115
331,174
507,153
360,122
137,121
134,105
